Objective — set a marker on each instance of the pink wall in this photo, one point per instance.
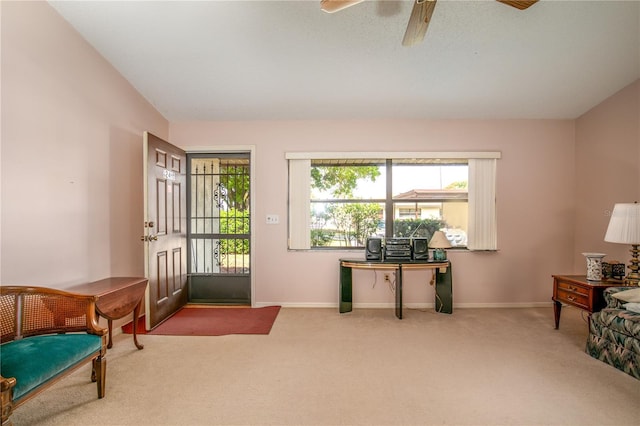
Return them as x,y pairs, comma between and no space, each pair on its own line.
71,155
536,201
607,172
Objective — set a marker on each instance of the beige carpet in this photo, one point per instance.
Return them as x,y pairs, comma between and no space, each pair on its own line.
317,367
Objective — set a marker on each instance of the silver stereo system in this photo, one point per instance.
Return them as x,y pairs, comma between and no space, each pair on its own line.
397,249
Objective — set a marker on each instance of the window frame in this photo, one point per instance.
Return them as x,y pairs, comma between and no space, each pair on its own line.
483,210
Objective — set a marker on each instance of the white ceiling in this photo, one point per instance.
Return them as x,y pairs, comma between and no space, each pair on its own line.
272,60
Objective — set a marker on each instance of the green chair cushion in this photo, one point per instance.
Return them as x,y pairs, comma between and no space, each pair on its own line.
35,360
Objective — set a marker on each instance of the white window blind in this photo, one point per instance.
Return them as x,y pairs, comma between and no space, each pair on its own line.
299,205
482,226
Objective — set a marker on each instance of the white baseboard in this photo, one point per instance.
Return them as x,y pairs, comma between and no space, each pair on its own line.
505,305
406,305
296,305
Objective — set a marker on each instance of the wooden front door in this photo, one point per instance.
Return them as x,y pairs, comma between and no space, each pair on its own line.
165,229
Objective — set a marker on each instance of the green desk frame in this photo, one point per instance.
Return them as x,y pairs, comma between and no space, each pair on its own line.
442,274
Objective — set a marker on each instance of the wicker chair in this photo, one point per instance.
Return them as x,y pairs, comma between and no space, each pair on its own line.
45,334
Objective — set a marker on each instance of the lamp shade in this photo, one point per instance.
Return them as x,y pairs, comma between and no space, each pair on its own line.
439,241
624,225
331,6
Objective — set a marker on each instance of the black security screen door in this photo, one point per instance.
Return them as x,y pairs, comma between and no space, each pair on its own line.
219,224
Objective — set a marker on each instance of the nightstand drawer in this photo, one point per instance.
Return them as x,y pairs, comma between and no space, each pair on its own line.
573,298
572,288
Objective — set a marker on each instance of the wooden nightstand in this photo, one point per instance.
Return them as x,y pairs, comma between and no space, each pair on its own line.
576,291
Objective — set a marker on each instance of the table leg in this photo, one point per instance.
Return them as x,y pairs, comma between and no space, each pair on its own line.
136,314
346,289
399,292
444,291
557,308
110,344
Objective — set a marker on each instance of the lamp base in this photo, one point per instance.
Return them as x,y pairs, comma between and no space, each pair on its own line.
633,277
439,254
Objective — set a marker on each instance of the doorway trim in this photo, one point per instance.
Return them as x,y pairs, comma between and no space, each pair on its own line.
251,149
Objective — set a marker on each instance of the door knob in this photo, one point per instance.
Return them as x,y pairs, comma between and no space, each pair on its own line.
149,238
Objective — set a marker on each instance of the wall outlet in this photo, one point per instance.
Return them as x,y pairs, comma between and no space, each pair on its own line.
273,219
386,278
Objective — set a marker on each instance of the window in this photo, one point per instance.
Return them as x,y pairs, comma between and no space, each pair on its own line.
347,200
338,203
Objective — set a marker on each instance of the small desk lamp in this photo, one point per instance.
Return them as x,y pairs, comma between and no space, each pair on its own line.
439,242
624,228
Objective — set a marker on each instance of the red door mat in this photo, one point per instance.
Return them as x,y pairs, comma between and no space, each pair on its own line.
213,321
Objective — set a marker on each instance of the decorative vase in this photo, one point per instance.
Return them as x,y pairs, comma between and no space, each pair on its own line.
594,266
618,270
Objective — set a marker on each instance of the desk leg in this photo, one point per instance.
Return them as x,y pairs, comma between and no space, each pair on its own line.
444,290
136,314
346,289
399,292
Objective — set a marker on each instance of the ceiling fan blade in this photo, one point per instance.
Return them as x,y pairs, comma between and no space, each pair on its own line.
331,6
418,22
519,4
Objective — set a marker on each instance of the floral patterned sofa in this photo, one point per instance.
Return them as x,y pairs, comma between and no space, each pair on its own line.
614,333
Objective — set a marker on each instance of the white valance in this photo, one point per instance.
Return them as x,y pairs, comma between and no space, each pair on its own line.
390,155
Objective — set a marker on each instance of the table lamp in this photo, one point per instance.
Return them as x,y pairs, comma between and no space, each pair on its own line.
624,228
439,242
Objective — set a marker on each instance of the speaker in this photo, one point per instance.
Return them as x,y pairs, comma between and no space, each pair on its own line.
420,248
373,249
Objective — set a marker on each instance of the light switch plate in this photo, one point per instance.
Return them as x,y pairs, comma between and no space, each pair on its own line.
273,219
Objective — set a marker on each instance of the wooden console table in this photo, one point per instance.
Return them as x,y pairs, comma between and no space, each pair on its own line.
577,291
443,281
116,297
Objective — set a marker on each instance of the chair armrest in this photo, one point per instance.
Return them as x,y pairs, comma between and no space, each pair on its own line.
6,397
6,383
